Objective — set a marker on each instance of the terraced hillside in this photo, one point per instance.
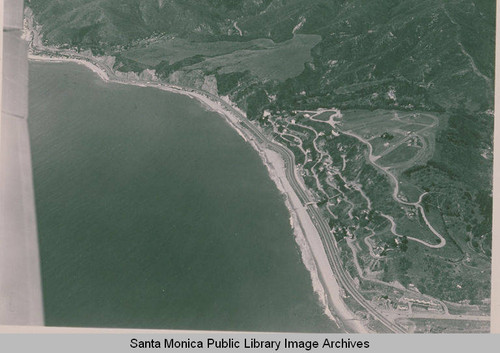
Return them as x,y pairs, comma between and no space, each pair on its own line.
401,168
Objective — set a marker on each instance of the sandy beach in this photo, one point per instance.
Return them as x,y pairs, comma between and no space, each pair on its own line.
313,253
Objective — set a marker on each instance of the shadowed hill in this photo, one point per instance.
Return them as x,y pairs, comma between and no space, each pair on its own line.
432,54
355,55
85,22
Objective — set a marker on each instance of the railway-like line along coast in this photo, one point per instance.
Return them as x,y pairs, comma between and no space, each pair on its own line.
312,232
382,155
317,236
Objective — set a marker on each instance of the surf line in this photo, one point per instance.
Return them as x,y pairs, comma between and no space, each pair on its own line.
324,282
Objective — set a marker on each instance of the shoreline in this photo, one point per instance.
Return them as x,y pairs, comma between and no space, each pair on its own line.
313,255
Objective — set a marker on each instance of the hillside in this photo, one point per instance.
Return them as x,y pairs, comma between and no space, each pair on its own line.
435,54
413,79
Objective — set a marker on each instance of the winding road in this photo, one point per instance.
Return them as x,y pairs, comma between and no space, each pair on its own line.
327,238
395,195
329,243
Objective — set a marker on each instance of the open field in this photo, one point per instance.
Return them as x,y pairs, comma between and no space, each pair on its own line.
261,57
390,228
174,49
383,144
398,183
265,61
401,154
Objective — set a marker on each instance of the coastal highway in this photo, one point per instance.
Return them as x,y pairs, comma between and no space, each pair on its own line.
329,242
327,238
322,227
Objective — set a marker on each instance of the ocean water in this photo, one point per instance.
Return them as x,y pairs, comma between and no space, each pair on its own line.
154,213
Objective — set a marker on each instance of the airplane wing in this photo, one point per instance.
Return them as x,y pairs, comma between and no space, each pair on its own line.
20,281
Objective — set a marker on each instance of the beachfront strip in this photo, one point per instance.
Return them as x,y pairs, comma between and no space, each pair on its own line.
333,283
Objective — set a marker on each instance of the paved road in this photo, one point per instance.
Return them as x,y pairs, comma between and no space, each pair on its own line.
395,195
326,235
327,238
329,242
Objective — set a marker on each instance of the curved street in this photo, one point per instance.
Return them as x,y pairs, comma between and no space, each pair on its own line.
327,238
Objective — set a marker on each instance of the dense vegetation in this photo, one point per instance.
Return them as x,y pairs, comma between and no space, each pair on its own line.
407,55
